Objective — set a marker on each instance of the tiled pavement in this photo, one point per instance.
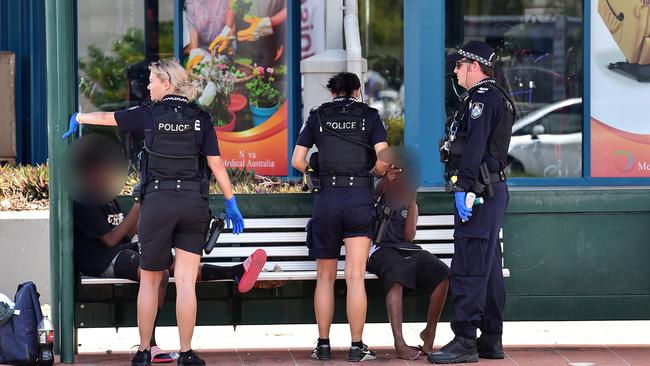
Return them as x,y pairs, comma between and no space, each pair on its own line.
515,355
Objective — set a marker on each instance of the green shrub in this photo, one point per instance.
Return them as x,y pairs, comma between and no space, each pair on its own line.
23,187
395,130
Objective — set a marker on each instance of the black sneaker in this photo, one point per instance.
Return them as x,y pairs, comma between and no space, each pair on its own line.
142,358
357,354
189,358
322,352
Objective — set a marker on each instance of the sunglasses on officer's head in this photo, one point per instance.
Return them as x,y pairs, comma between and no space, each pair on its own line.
159,64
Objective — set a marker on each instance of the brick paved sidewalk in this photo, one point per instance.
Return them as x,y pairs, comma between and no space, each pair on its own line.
515,355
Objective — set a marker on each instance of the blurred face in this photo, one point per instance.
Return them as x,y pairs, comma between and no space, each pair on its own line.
158,88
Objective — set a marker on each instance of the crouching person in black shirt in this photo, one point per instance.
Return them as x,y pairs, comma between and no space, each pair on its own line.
400,264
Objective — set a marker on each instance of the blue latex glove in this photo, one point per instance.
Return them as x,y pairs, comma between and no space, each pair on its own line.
73,125
463,211
234,218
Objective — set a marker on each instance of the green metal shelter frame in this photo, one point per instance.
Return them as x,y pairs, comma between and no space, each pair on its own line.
61,96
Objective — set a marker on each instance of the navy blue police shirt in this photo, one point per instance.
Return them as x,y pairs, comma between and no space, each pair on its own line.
310,132
91,222
483,113
140,120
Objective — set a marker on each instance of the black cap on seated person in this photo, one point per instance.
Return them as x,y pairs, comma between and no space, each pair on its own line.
477,51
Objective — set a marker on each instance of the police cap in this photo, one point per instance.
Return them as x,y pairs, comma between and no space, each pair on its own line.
477,51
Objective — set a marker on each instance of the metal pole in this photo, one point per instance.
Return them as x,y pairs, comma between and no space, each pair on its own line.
293,78
60,45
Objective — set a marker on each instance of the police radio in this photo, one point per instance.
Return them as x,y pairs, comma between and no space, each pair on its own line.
383,218
214,229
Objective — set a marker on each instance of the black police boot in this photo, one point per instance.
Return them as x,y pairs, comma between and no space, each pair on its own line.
459,350
489,346
142,358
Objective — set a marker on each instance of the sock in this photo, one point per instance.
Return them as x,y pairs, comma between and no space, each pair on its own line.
323,342
210,272
358,344
153,333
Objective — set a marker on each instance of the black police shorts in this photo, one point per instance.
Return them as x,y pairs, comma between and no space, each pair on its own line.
339,213
414,269
171,219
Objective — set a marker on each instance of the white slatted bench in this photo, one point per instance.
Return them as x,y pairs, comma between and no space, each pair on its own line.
284,242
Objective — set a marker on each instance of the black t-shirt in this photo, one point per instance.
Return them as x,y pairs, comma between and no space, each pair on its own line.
310,132
90,224
394,236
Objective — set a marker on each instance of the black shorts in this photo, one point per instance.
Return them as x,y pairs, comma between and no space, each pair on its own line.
125,264
171,219
414,269
339,213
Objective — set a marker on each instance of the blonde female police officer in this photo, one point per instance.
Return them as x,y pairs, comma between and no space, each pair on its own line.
475,152
348,135
180,148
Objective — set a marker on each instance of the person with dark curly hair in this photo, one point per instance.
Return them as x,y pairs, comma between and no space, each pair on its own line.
349,135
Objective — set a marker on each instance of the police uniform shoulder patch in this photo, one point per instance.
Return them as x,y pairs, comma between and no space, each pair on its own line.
476,110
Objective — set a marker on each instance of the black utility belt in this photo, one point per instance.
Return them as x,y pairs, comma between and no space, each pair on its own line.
346,181
172,185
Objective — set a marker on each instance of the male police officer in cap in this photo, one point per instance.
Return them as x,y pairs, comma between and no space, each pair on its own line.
474,152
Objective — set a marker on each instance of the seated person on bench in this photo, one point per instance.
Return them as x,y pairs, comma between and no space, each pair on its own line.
399,264
103,245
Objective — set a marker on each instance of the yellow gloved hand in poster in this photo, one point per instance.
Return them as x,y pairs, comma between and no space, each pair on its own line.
259,27
222,41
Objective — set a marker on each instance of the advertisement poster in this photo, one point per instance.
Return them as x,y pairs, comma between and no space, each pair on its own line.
620,88
312,27
236,50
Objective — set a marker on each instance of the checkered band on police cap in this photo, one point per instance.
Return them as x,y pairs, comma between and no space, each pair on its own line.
477,51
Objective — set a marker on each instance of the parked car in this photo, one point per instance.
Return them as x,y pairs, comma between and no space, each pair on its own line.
548,141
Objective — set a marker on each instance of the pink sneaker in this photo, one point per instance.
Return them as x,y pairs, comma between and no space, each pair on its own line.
253,265
160,356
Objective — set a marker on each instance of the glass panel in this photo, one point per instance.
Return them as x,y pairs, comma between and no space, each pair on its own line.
237,50
539,44
381,25
620,72
116,42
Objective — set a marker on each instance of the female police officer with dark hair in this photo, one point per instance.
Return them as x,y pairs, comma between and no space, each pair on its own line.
348,135
180,149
